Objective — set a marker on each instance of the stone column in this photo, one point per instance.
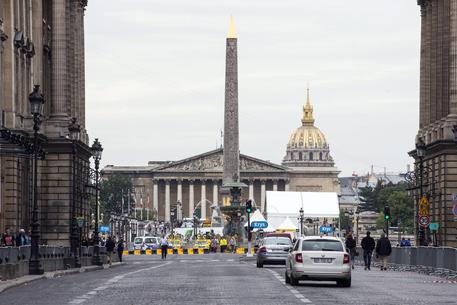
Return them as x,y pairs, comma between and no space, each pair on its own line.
167,200
203,199
59,60
191,198
262,195
155,199
287,185
251,188
215,193
179,198
453,59
275,185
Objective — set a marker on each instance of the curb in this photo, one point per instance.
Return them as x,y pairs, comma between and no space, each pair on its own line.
53,274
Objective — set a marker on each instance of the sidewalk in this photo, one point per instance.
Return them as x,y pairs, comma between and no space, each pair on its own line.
4,285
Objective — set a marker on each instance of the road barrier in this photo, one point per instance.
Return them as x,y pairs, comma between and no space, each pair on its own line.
180,251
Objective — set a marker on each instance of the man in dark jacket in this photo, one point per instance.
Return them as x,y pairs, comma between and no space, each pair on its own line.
351,248
120,248
383,250
368,245
110,245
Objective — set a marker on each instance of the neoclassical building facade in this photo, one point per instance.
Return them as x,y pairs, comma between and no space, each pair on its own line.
196,181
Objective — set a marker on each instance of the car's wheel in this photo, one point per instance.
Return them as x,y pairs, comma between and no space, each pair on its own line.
344,283
286,276
259,264
293,280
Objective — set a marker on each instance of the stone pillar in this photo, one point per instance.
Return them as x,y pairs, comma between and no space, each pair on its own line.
287,188
251,188
203,199
262,195
59,60
231,134
215,193
167,200
155,199
275,185
191,198
453,59
179,198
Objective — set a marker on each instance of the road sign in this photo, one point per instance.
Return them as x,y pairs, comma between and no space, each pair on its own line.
433,226
454,197
259,224
80,221
104,229
423,206
424,221
325,229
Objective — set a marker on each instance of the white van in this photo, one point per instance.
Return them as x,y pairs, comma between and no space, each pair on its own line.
146,242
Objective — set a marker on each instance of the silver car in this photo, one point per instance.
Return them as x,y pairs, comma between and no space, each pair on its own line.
318,258
273,251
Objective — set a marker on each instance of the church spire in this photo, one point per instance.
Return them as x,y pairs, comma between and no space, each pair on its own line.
308,118
231,33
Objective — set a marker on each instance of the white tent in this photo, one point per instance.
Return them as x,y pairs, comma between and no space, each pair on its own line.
257,216
287,225
281,205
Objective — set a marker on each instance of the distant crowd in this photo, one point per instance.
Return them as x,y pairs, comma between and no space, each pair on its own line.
14,239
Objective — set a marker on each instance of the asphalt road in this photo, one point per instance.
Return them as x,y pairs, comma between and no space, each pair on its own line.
222,279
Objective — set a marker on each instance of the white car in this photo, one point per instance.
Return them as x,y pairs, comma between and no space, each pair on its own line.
318,258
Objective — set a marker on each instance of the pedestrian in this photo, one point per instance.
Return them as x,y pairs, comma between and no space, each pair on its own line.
22,239
110,245
403,242
368,245
164,246
383,251
120,248
8,239
223,244
351,247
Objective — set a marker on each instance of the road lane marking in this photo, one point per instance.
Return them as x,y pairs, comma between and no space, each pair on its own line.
294,291
90,294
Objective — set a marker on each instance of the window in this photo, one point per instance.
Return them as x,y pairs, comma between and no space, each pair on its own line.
311,156
322,245
300,156
320,156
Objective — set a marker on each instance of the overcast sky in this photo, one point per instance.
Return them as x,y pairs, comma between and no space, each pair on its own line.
155,77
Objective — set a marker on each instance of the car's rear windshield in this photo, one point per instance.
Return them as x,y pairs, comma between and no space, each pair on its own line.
282,241
150,240
322,245
138,240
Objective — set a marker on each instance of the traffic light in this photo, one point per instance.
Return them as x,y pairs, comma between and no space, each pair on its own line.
386,213
249,206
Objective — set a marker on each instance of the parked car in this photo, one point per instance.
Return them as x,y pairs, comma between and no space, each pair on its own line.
318,258
273,250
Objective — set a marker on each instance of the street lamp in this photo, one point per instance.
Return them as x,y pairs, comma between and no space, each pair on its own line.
36,100
420,152
96,150
74,130
179,211
302,214
357,225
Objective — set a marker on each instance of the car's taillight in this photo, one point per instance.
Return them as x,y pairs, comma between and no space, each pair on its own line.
263,250
346,259
299,258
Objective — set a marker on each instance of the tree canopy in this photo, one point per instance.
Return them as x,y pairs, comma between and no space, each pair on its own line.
113,192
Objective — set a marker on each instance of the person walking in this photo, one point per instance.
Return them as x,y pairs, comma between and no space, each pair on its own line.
368,245
383,251
120,248
164,246
8,239
351,247
223,244
22,239
110,245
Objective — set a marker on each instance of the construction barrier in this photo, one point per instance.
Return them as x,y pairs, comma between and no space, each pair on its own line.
180,251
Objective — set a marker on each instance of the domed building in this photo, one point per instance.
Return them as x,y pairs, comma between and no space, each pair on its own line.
308,157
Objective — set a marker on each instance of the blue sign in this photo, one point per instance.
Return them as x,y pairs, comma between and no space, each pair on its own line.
104,229
259,224
325,229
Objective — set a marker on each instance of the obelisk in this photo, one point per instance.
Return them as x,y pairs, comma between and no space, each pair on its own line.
231,133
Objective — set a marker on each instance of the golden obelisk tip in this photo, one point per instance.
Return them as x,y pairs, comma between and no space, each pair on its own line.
231,33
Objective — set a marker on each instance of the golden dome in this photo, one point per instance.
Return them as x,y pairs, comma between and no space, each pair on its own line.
307,135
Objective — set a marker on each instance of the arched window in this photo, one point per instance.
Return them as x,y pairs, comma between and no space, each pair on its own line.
311,156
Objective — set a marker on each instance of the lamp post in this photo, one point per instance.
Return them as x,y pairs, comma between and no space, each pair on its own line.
36,102
302,214
178,211
357,225
97,150
74,130
420,151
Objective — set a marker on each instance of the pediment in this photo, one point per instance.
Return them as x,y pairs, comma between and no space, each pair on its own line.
213,161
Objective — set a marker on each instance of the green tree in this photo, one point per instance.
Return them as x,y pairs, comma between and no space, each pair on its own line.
114,191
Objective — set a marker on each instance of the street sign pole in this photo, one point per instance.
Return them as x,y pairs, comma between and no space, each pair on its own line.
249,235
